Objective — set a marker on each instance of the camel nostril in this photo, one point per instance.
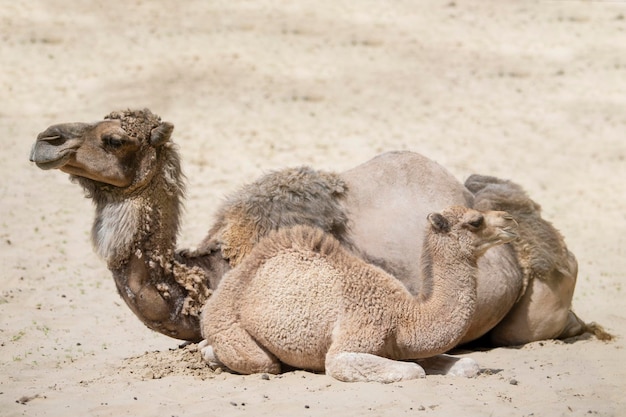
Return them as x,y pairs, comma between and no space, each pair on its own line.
52,140
50,132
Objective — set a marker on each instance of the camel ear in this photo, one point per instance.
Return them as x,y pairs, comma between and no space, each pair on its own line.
161,134
438,222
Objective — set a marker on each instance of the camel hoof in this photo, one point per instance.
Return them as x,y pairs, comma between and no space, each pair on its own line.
465,367
208,355
414,372
450,365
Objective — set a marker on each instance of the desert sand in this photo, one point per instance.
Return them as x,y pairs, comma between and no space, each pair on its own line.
530,91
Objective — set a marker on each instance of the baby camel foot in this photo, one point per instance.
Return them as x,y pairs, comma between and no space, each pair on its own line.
449,365
208,355
364,367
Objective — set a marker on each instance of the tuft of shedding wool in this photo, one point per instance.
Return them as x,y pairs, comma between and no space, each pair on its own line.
279,199
137,123
194,281
540,248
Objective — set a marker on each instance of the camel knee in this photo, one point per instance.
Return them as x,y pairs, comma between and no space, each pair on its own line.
244,360
239,352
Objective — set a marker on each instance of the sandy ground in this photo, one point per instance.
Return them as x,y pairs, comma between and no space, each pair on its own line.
532,91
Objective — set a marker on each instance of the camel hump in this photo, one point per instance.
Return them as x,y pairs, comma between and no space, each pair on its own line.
300,238
491,193
280,199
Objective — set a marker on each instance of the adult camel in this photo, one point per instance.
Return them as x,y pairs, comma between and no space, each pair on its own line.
128,164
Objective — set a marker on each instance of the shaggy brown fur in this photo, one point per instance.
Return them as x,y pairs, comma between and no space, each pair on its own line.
279,199
540,248
543,257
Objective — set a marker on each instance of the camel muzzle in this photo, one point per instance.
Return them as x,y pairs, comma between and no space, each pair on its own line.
55,145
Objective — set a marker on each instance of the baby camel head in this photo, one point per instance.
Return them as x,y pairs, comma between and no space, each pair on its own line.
461,228
118,151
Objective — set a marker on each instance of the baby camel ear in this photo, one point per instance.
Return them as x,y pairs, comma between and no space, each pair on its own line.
438,222
161,134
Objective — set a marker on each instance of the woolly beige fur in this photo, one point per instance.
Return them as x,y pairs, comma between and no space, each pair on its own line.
302,299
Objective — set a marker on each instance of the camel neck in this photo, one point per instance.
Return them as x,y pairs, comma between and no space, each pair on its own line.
142,220
442,314
145,224
136,234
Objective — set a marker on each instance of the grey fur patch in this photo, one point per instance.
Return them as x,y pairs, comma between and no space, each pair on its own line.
291,197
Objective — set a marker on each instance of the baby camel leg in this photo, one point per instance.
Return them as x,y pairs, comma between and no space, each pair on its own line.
364,367
238,351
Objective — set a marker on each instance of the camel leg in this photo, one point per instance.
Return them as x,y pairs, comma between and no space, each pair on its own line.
365,367
573,327
449,365
238,351
543,312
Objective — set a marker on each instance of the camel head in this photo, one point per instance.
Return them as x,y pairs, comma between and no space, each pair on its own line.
469,228
119,151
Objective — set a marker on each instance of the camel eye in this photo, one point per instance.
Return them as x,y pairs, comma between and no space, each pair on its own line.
112,142
478,222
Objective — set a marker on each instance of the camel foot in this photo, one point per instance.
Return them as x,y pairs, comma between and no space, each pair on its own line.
364,367
449,365
575,327
208,355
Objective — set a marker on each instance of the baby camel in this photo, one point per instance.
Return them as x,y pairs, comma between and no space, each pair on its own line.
301,298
